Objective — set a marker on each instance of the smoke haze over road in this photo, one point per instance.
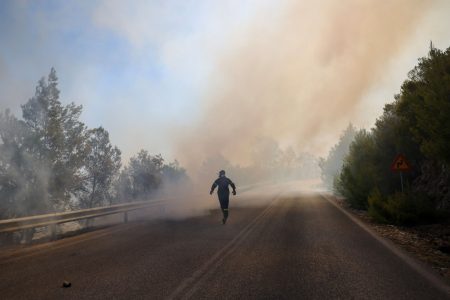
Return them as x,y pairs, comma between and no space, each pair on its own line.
197,79
298,74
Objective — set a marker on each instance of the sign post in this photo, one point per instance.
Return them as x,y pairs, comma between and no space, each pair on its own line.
400,164
401,179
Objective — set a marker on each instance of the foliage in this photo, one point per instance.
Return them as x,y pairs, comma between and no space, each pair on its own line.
173,172
402,208
269,163
357,176
331,166
58,139
101,168
377,206
23,178
50,161
416,124
392,137
145,171
144,175
424,104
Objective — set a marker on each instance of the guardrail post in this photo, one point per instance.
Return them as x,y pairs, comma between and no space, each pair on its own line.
125,217
27,235
88,223
53,231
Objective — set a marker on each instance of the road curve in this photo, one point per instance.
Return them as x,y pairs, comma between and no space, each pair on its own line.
294,246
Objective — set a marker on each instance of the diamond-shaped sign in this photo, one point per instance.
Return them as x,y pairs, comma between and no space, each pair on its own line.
400,164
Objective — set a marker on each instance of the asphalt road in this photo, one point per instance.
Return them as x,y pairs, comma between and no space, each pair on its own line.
275,246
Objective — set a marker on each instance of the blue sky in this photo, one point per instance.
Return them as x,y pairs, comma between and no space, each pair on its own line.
123,61
152,71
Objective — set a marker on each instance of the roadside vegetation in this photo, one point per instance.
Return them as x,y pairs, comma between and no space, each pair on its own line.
270,163
332,165
416,124
51,161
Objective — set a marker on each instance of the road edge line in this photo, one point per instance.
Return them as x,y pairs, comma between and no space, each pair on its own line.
420,267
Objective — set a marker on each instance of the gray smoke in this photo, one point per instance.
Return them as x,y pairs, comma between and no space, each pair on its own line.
297,76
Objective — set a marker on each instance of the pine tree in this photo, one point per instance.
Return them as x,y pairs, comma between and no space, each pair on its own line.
58,139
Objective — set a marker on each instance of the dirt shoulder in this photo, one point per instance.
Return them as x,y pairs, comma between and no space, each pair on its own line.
428,243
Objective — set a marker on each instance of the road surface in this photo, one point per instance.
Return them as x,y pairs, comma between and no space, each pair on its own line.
279,246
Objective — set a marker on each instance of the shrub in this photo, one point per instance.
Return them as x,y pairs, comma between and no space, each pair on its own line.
402,208
357,174
377,207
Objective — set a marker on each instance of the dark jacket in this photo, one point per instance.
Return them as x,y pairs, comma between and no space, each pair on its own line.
223,183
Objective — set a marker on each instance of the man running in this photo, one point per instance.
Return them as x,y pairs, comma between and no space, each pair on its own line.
223,192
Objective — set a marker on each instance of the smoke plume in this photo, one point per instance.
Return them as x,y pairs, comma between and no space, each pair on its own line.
297,75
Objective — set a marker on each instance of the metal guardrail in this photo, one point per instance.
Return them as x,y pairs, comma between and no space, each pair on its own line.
18,224
52,220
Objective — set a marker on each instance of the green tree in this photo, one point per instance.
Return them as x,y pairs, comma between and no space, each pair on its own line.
358,175
101,167
123,187
392,137
424,104
331,166
173,173
23,179
141,178
416,124
58,139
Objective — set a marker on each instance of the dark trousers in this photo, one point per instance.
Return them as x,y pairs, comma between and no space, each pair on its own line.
224,199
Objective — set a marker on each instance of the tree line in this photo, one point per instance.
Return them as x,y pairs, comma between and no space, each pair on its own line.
416,124
268,163
51,161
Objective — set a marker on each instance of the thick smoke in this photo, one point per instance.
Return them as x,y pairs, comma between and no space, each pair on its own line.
297,76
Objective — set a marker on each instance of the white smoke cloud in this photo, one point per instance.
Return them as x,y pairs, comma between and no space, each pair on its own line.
229,71
300,75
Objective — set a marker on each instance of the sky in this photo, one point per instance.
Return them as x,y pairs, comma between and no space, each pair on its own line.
191,79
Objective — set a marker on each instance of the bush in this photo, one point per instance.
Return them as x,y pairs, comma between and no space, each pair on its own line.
332,164
357,175
377,207
416,124
402,208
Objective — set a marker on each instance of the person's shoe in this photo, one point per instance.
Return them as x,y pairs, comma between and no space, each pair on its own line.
224,221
